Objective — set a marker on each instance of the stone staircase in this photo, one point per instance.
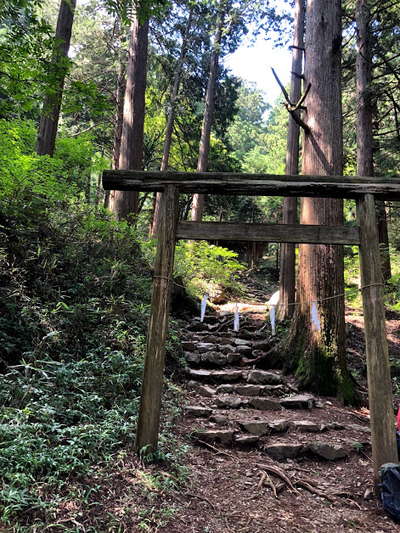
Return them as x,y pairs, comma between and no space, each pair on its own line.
233,403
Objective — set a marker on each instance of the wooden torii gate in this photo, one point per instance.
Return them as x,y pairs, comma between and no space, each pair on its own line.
365,235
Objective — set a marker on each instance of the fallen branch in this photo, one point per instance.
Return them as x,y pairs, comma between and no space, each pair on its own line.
262,479
191,495
271,484
279,473
215,449
313,490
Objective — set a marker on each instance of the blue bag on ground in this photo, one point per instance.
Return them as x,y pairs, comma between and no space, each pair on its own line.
389,475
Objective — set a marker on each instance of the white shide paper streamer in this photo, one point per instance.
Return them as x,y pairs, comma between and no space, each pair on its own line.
272,318
236,320
203,307
315,322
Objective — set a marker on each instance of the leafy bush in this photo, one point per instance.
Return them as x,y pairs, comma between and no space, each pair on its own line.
74,302
203,267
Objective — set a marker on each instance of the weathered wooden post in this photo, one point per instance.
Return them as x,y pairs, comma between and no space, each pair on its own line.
150,402
384,449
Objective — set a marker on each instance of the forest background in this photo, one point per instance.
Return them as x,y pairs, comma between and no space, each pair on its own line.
75,282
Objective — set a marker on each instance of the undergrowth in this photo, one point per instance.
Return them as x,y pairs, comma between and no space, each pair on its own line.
74,303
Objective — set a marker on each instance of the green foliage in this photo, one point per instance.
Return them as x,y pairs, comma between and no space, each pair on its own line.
206,267
203,267
74,303
27,179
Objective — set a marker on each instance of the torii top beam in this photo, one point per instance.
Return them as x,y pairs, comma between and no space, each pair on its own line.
253,184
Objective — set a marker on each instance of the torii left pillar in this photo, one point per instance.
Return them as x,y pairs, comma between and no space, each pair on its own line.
150,402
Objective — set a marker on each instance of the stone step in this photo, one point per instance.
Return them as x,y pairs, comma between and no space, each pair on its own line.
222,436
216,376
279,451
212,358
203,390
260,427
320,450
198,411
249,389
236,402
299,401
264,377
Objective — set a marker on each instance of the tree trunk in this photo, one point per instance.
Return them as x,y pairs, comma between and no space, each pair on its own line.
204,148
52,104
125,203
320,354
365,112
288,251
119,116
171,119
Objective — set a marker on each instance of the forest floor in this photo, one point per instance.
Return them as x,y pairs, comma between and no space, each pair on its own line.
245,457
274,481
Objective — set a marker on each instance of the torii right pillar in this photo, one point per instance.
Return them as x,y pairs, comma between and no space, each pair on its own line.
382,421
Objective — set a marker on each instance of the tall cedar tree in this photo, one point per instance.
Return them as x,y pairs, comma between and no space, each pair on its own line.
125,203
365,113
320,355
204,148
171,116
288,256
52,104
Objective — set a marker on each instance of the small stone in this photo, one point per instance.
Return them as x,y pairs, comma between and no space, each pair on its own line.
193,358
263,377
199,374
206,391
198,411
265,404
369,494
224,341
242,342
198,327
305,426
246,440
255,427
335,425
259,353
358,427
283,451
215,358
248,390
229,402
227,376
244,350
205,347
262,345
219,419
188,346
226,388
279,426
330,452
226,348
298,401
224,436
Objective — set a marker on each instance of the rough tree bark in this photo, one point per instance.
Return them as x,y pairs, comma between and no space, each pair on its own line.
204,148
288,251
125,203
319,356
119,115
365,113
52,104
171,118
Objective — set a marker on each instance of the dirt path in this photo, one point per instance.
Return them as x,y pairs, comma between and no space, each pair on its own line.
266,458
